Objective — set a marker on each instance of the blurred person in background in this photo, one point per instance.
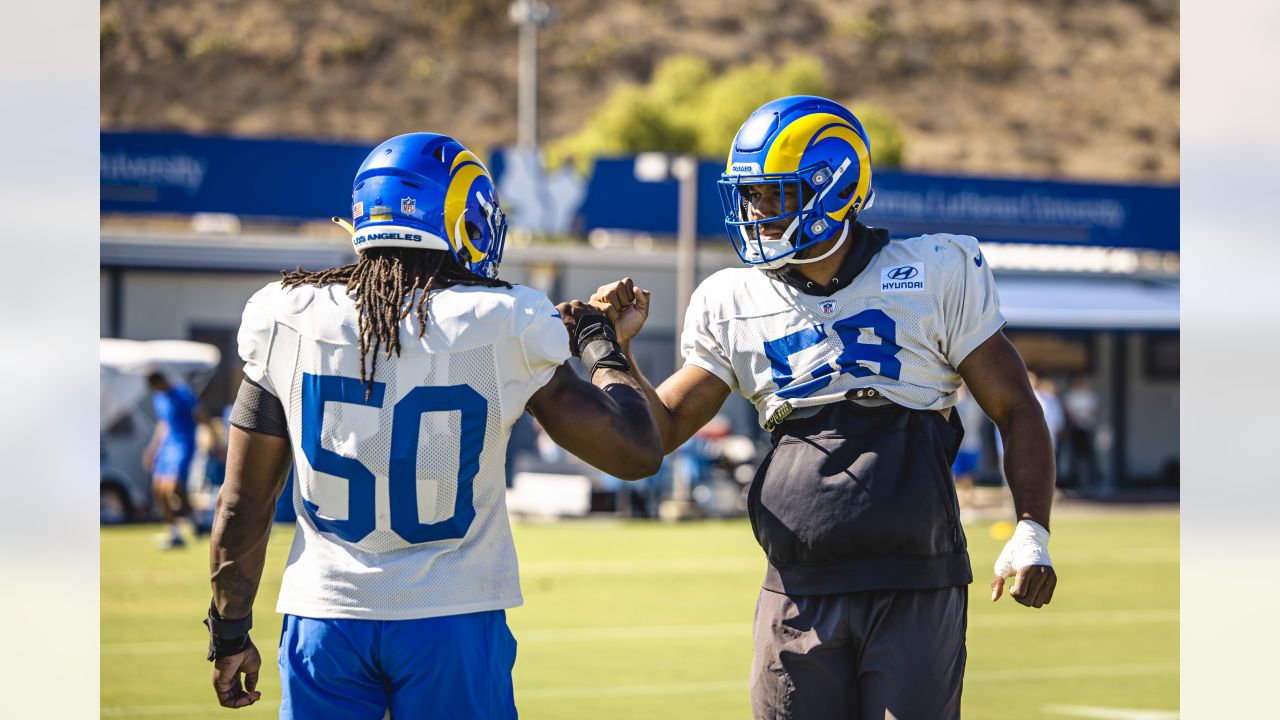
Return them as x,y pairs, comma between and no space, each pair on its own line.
965,467
393,384
852,348
1047,395
169,454
1082,408
210,467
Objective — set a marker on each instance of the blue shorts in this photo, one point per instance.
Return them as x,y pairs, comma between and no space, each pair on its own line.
456,667
173,462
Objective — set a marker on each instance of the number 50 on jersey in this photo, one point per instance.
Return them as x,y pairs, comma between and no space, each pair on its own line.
403,462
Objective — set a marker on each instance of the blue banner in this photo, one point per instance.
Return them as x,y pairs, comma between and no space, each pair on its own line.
166,173
990,209
143,172
1028,211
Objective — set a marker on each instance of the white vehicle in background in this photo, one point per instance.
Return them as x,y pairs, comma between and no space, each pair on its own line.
127,420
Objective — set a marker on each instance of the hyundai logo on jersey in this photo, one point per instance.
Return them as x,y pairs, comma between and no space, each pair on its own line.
903,278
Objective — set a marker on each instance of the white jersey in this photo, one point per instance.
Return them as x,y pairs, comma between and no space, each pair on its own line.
400,494
902,326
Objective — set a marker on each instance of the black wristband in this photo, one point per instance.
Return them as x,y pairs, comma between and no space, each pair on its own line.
598,345
227,637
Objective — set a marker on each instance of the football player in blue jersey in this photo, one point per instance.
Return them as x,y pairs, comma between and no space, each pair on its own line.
168,456
852,347
392,384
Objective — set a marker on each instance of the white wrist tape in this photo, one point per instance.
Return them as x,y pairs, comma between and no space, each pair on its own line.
1028,546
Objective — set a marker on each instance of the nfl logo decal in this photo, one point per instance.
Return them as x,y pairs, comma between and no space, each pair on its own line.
407,205
828,307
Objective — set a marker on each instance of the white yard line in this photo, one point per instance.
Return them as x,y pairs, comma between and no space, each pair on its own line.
1049,618
211,709
1110,713
740,685
680,566
1073,671
736,629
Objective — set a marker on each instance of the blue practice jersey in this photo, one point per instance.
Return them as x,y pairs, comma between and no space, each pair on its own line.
176,408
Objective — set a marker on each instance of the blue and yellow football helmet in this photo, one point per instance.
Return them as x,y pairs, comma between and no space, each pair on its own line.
428,192
818,155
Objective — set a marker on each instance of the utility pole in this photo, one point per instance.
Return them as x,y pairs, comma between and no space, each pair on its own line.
528,14
685,170
660,167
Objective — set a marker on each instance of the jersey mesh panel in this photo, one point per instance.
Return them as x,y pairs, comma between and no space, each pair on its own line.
383,575
744,309
914,316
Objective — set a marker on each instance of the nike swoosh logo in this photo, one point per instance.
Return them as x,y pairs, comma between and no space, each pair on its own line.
978,260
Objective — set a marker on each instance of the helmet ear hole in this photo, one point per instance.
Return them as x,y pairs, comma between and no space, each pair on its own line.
847,192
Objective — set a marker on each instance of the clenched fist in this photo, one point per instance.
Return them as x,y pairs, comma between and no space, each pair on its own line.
625,304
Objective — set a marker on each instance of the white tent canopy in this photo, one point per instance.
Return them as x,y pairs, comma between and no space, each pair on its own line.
1089,303
124,365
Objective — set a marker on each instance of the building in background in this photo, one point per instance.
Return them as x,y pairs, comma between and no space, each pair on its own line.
1087,273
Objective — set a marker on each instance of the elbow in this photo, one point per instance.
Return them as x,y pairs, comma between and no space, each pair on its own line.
645,467
670,445
1027,413
645,462
651,466
1022,420
637,472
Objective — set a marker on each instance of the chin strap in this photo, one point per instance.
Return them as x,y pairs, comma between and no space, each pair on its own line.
843,234
785,240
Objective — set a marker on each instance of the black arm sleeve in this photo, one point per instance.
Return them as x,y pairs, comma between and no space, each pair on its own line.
257,410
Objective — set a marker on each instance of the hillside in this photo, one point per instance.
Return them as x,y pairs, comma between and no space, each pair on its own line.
1065,88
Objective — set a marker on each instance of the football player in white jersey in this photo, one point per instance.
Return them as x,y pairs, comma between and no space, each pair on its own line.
391,385
852,348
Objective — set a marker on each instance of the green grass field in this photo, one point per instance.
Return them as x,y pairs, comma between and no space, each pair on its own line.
640,620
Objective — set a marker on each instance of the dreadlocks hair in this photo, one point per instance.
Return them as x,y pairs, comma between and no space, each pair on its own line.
383,283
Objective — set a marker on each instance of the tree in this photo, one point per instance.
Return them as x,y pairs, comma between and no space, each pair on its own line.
688,108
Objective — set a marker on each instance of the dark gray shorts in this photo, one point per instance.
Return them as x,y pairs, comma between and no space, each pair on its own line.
871,655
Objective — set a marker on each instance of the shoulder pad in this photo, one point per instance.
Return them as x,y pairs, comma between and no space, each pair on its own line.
938,247
724,284
257,322
966,243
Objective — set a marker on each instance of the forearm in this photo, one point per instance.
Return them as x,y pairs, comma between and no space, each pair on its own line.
1028,463
606,422
662,416
238,547
635,449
